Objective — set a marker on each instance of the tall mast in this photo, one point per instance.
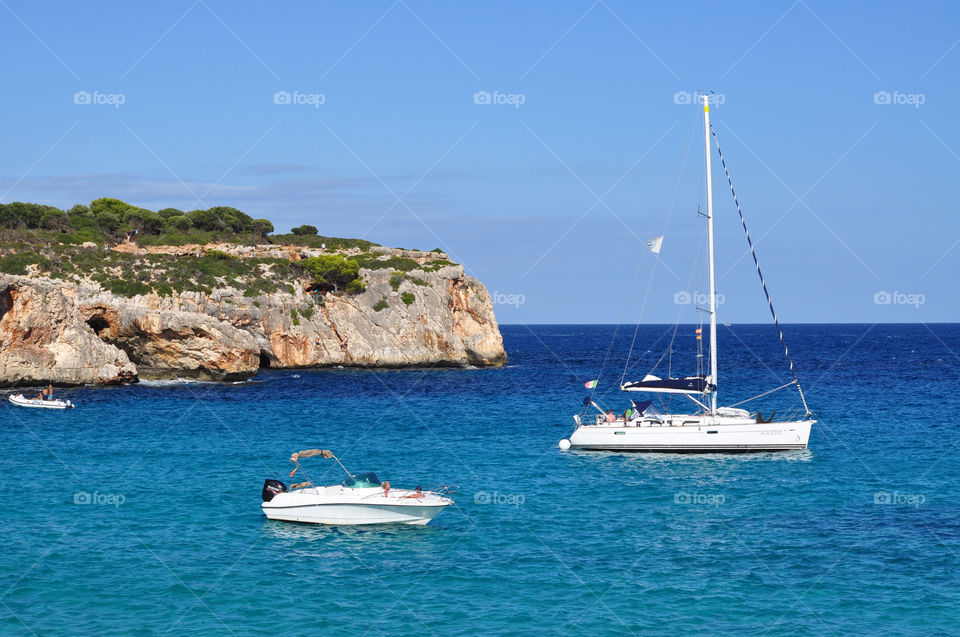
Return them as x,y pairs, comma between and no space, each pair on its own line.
713,286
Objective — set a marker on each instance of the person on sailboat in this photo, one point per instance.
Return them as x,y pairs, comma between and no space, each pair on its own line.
611,417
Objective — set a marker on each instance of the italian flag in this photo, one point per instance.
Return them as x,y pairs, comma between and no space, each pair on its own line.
590,384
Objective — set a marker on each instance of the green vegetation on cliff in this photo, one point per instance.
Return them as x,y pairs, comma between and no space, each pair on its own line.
130,250
108,219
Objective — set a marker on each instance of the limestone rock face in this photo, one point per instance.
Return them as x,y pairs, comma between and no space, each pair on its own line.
449,321
43,339
75,332
177,344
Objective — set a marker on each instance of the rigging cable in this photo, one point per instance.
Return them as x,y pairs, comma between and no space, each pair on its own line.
756,262
682,161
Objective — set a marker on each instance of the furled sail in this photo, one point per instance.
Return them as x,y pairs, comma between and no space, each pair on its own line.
687,385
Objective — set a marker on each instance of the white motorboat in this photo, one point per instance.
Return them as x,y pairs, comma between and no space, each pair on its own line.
646,428
22,401
360,499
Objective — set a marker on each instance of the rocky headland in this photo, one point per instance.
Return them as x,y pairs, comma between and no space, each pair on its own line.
82,314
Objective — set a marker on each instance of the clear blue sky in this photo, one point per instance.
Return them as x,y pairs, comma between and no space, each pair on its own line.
847,197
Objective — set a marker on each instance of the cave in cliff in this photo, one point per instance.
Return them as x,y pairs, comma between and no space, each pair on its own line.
6,301
98,324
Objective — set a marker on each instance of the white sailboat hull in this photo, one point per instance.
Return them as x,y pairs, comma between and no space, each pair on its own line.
707,435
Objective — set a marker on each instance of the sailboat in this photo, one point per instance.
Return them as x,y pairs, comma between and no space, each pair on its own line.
645,427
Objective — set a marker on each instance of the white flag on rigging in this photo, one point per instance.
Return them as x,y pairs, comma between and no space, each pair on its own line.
654,244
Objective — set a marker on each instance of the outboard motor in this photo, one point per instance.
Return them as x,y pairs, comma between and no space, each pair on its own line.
272,488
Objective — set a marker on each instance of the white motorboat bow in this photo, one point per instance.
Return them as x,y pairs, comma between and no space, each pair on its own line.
22,401
360,499
646,428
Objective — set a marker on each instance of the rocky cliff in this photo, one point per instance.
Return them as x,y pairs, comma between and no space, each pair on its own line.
73,330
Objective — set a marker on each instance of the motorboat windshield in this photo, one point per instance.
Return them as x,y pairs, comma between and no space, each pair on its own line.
362,481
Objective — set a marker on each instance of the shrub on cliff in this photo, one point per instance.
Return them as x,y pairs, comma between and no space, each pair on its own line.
206,220
332,271
81,218
29,215
304,230
56,220
178,222
121,287
17,263
433,266
108,221
111,205
145,221
372,262
233,220
262,227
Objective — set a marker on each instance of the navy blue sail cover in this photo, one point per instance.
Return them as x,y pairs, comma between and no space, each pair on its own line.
688,385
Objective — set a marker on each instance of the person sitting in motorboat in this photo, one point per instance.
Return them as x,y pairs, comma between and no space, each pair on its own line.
386,488
46,393
418,494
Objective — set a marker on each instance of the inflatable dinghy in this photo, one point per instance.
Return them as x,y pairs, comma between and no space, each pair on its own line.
22,401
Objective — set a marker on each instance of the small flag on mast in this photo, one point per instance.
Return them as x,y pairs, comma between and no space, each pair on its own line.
654,244
590,384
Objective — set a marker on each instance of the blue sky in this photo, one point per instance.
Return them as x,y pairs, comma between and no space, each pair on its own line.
550,201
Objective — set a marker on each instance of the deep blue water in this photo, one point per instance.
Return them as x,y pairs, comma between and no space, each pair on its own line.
858,534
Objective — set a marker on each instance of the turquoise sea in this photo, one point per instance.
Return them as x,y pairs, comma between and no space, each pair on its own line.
138,513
